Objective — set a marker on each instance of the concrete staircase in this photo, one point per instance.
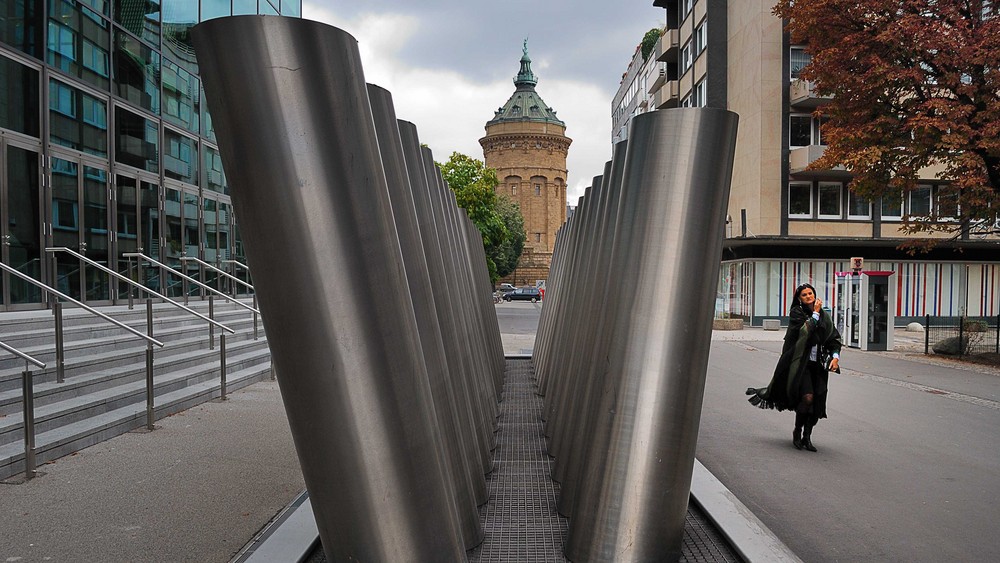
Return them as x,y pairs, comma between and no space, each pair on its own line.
104,392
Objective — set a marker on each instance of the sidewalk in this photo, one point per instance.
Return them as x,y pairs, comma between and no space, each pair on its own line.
196,489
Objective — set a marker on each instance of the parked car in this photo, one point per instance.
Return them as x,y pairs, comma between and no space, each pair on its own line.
523,294
505,287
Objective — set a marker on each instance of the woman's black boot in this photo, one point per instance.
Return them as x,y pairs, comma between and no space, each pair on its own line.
797,438
807,440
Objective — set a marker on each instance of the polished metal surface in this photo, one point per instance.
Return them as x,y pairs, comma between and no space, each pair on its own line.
467,486
296,131
216,270
188,279
137,285
623,341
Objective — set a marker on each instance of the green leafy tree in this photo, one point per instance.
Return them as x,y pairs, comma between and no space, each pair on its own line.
507,253
914,84
474,185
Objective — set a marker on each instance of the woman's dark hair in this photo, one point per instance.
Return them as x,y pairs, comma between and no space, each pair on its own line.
795,297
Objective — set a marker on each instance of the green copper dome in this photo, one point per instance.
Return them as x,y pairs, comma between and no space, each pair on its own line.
525,104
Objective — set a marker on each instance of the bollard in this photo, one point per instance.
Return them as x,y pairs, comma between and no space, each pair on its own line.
315,212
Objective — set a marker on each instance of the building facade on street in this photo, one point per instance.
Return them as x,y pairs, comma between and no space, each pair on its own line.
527,145
106,143
789,224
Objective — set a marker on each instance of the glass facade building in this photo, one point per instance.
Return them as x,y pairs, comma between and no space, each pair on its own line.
107,146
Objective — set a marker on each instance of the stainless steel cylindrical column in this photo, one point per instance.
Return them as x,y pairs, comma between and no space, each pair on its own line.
296,132
677,174
461,478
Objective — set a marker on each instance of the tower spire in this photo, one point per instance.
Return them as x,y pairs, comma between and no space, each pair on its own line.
525,78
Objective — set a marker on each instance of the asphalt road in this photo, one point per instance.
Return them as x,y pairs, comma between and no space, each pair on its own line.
518,317
908,467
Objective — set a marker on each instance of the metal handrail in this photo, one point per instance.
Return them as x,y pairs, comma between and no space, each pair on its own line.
188,278
22,355
138,285
213,268
238,263
87,308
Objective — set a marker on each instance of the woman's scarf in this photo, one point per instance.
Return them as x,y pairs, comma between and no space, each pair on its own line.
803,333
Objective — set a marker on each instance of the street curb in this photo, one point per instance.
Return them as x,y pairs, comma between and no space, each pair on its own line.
747,535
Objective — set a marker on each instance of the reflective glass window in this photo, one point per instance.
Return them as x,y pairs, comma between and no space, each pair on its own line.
947,203
95,231
21,25
857,206
19,97
140,18
181,97
215,178
79,42
23,222
800,200
137,141
137,72
798,58
180,158
244,7
77,120
829,200
214,9
892,206
292,8
266,8
207,127
179,16
800,130
920,201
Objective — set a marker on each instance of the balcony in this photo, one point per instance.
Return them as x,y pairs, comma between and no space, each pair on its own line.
655,75
667,96
802,95
666,47
800,158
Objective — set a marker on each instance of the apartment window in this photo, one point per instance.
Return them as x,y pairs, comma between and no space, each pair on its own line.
686,6
698,98
920,201
829,200
513,189
892,206
686,101
858,207
538,237
946,203
685,57
538,189
700,38
800,200
800,130
797,59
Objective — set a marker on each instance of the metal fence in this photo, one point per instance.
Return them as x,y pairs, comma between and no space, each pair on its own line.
973,338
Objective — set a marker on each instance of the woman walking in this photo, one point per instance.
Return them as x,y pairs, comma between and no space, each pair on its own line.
811,350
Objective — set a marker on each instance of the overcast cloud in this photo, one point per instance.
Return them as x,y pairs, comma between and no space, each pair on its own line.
450,64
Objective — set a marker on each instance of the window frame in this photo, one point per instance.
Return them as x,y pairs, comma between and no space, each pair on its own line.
851,198
839,199
809,188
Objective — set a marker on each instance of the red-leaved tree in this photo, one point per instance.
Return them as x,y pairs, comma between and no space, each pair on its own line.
914,84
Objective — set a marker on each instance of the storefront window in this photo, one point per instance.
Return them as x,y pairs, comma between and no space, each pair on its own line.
138,142
18,97
77,120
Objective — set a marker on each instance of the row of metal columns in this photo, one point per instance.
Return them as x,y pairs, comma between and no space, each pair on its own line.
373,288
622,346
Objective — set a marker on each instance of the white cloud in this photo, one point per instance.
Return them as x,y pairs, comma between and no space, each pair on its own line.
451,111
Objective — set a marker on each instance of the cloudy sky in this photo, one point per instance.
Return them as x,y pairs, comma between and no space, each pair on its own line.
450,64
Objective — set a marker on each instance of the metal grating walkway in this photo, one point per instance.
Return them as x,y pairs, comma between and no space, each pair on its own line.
520,520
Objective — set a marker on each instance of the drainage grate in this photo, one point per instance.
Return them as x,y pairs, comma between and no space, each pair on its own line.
520,520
